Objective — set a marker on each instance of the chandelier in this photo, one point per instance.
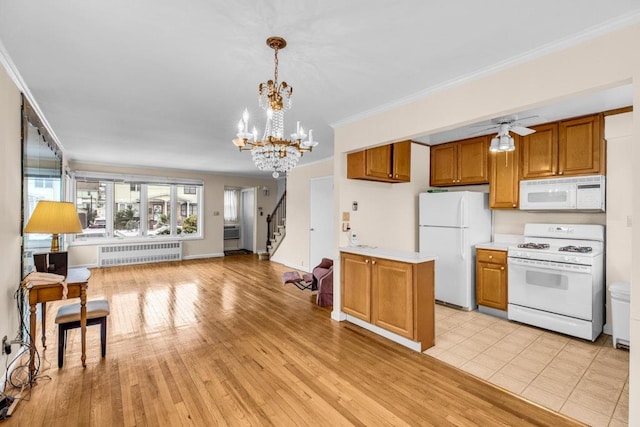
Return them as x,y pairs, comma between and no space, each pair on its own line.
273,152
502,141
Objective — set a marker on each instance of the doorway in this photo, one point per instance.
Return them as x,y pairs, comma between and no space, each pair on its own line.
320,220
247,219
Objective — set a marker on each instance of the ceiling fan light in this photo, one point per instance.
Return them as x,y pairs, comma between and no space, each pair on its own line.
495,141
505,143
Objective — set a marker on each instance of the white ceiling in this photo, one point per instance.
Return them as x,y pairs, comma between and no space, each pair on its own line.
163,83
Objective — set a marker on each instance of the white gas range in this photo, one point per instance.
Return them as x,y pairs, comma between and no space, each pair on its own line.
556,278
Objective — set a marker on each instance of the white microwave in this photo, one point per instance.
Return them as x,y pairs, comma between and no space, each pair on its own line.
580,193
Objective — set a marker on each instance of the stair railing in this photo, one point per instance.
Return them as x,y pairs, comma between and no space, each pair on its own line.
277,217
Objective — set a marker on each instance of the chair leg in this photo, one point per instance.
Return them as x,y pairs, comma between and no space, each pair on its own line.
103,335
62,334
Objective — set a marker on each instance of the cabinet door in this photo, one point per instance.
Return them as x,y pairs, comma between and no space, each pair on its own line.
473,155
581,147
504,180
356,286
540,152
392,296
444,168
379,162
491,279
402,161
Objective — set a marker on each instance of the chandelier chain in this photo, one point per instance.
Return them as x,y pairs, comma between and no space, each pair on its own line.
275,73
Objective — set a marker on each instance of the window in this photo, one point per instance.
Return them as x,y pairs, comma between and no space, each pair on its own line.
188,202
158,209
126,210
147,207
231,205
91,204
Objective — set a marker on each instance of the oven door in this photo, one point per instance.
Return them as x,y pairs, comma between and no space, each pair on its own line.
554,287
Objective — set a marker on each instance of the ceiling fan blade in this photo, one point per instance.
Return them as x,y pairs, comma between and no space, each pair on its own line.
521,130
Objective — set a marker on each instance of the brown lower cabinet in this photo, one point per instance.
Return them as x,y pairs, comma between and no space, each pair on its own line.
393,295
491,278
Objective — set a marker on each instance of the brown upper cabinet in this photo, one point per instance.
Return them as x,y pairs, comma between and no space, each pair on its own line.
504,184
569,147
388,163
460,163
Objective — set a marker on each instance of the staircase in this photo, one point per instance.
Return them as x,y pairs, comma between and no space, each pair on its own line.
276,229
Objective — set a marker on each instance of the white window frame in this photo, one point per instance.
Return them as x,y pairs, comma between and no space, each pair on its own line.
109,179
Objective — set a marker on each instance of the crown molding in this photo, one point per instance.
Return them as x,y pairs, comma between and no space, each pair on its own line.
11,69
573,40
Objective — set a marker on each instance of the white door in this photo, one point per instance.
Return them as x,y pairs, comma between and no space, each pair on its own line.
247,229
320,220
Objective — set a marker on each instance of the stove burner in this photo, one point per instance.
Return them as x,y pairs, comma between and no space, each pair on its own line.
534,245
583,249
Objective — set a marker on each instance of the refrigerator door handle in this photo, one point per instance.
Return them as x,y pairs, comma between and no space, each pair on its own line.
462,209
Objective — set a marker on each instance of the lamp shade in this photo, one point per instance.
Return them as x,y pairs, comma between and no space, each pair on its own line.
54,217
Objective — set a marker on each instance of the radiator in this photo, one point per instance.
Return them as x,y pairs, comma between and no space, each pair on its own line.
139,253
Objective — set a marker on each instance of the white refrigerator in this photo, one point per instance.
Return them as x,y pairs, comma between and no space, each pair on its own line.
450,225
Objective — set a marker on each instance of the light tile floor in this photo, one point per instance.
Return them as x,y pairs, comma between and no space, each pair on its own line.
584,380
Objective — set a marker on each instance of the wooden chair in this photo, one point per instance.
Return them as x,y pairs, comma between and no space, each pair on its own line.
68,317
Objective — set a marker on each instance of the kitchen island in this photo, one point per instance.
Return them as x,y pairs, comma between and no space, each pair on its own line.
390,293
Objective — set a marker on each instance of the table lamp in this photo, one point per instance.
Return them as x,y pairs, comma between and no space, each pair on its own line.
54,218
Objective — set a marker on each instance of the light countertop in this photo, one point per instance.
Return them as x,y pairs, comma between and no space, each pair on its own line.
496,246
501,242
402,256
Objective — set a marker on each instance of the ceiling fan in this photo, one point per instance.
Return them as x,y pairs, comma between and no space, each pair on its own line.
510,123
503,141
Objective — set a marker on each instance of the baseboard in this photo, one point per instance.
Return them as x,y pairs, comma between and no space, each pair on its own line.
7,373
202,256
95,265
338,316
295,267
413,345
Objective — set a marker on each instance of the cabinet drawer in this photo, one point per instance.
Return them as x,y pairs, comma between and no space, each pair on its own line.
487,255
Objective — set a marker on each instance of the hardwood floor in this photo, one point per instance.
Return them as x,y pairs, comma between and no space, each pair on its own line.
223,342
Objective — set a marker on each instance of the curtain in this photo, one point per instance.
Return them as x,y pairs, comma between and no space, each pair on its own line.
231,205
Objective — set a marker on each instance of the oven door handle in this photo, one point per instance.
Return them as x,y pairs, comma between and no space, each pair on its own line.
582,270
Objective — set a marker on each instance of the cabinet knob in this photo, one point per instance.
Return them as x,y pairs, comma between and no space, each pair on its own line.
501,268
373,262
514,205
390,175
366,261
490,256
396,175
560,173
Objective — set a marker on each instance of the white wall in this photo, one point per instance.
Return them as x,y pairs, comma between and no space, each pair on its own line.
603,62
618,129
10,206
213,201
294,249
